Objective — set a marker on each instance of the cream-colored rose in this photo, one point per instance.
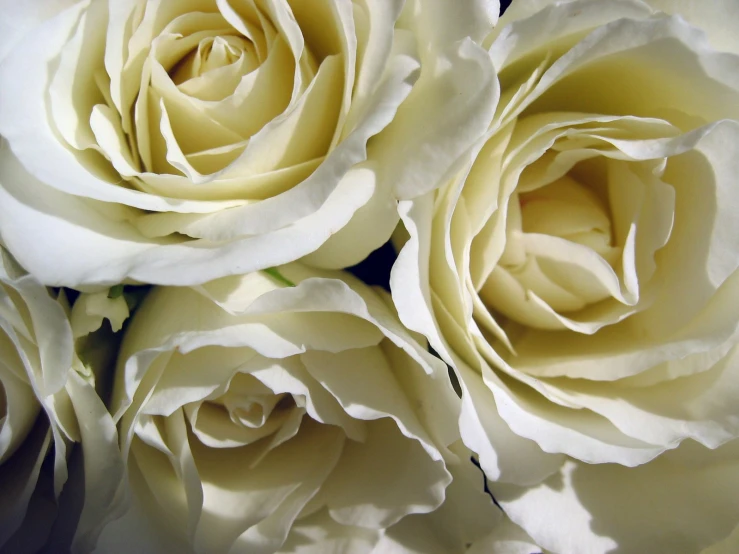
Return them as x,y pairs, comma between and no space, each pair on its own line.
47,404
580,270
177,141
248,408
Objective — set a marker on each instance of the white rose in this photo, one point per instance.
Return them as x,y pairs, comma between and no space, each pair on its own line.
169,141
248,409
47,404
580,270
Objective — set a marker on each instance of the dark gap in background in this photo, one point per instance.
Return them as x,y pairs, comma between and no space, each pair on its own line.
375,269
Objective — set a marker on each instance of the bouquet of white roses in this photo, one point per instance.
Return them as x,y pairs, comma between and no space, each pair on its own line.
369,276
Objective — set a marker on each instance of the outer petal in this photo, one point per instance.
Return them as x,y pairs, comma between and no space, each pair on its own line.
409,278
104,471
418,152
716,18
140,530
21,17
115,251
320,534
506,538
468,513
551,20
504,455
596,508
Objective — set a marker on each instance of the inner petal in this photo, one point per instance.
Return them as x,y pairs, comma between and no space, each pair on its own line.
213,54
250,403
245,413
559,247
584,222
568,209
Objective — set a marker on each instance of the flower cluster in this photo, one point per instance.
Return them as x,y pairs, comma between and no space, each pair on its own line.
189,362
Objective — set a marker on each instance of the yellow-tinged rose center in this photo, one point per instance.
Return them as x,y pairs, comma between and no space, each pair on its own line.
247,440
249,409
569,210
204,104
581,225
213,54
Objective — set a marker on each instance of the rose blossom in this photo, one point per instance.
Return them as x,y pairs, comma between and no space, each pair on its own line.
170,141
47,404
580,270
257,417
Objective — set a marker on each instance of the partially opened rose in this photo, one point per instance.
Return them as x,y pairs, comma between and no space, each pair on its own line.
580,271
247,407
171,141
48,403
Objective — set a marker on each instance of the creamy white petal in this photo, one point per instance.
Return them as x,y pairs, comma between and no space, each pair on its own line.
404,148
715,18
104,470
48,326
141,528
596,508
388,490
530,24
115,251
266,505
506,538
320,534
698,406
90,310
20,18
409,278
468,513
504,455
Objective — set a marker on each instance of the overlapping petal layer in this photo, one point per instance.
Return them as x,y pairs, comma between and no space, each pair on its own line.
247,409
580,269
177,141
48,403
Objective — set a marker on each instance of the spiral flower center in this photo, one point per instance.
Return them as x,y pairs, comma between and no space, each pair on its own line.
251,410
213,54
244,414
569,210
183,110
581,226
